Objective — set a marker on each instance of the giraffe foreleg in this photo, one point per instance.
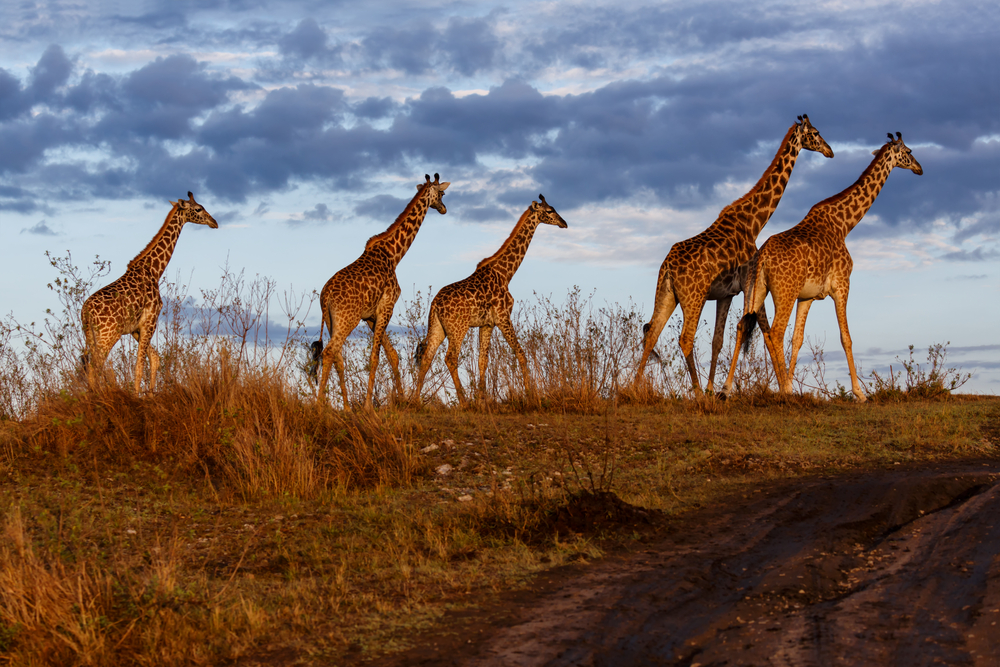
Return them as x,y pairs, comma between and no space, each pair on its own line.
507,329
378,335
798,335
663,308
393,357
840,302
144,336
485,332
721,316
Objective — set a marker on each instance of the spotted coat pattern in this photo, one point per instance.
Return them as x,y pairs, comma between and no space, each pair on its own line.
707,266
367,290
131,304
809,262
483,300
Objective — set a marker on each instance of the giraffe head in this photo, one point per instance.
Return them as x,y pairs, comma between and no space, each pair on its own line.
546,214
434,191
188,210
809,138
901,154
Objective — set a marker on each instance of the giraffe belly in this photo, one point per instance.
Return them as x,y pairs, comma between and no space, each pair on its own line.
483,319
814,289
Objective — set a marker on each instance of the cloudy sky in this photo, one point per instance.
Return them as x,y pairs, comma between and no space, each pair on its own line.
303,126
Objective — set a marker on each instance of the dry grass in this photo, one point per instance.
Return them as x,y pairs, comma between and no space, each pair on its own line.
227,518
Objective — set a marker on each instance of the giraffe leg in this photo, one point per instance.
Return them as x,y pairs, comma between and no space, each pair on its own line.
507,329
663,308
381,322
427,349
754,308
332,356
484,355
691,316
801,312
96,355
774,338
840,301
393,357
455,340
144,336
721,315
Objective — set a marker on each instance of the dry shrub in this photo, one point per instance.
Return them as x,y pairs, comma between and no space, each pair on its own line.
93,612
248,431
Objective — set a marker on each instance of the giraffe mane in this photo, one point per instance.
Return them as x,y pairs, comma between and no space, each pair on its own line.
868,170
156,238
760,181
510,239
395,225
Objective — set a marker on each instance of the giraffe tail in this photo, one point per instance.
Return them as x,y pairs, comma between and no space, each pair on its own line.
749,321
315,354
419,354
652,353
749,324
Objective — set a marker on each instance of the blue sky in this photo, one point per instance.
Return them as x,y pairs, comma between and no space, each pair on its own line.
304,127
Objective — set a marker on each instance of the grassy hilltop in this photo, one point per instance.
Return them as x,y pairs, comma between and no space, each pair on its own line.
226,516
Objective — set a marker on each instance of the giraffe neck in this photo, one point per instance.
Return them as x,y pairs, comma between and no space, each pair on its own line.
396,240
156,255
851,205
762,199
508,258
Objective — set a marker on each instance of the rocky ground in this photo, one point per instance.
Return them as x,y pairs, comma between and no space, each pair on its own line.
898,567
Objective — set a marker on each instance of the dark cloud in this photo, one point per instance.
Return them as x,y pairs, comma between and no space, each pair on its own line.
51,72
734,81
381,208
978,255
483,214
40,228
307,40
374,108
318,213
470,45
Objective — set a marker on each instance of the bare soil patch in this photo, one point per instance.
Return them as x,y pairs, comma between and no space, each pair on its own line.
897,566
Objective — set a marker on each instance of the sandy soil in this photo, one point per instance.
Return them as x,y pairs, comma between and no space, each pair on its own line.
897,567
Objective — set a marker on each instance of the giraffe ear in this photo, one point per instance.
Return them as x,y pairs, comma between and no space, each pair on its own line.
875,152
444,186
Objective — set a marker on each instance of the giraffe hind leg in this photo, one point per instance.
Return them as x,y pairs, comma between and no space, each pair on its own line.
664,307
451,358
426,351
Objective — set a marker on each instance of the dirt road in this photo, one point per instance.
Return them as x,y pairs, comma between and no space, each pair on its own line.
884,568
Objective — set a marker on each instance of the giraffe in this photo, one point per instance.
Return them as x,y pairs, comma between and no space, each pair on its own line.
367,290
706,267
810,261
131,304
483,300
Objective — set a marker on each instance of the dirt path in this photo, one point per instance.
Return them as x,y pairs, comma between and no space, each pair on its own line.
889,568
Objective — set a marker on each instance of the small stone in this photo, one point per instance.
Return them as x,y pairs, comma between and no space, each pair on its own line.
428,448
444,469
464,499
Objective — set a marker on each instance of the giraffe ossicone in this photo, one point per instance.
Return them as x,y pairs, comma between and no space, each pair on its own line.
710,265
132,304
809,262
483,301
367,290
